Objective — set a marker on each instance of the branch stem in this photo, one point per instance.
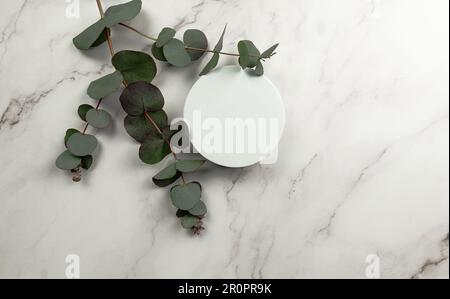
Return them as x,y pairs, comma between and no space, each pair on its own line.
187,48
100,8
111,50
150,119
138,32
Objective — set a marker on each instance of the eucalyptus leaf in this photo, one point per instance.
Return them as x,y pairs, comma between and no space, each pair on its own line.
189,165
135,66
86,162
198,184
176,54
98,118
67,161
249,54
81,144
188,221
199,209
167,176
83,110
219,45
154,149
158,53
269,52
139,126
168,133
259,70
141,97
165,36
194,38
91,36
122,12
185,197
101,39
69,133
105,86
211,64
215,59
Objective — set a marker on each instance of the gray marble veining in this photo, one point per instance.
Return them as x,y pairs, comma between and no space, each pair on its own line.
362,170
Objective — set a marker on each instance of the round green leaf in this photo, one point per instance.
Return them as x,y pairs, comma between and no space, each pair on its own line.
176,54
167,176
105,86
185,197
165,36
98,118
154,149
91,36
135,66
249,54
86,162
199,185
81,145
122,12
194,38
189,165
69,133
259,71
83,110
158,53
139,127
167,173
199,209
141,97
189,221
67,161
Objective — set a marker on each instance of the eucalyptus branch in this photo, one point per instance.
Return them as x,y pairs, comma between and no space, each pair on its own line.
187,48
146,121
193,48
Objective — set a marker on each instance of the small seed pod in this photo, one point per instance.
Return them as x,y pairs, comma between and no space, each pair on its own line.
76,175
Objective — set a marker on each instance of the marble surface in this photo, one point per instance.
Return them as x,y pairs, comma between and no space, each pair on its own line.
363,165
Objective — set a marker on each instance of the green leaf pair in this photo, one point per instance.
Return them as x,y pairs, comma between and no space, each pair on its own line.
96,34
105,86
250,57
131,66
97,118
212,64
187,197
180,53
67,161
141,97
139,127
172,173
143,102
78,153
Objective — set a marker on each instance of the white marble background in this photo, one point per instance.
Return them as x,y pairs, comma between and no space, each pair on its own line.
363,165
